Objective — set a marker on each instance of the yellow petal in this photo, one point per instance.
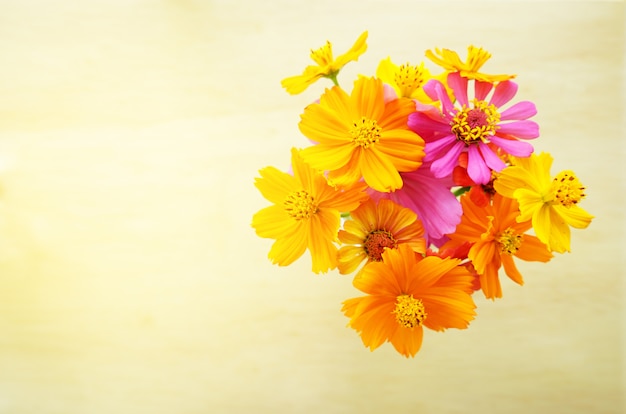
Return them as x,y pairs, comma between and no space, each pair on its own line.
275,185
286,250
359,47
349,258
379,172
575,216
273,222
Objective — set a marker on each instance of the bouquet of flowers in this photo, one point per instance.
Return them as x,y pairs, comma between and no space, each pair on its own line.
422,186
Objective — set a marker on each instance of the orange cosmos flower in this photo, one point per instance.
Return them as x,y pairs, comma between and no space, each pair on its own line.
374,228
406,291
305,214
362,136
496,236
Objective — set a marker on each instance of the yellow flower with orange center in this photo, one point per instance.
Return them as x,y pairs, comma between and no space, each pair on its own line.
362,136
407,292
496,236
327,66
374,228
305,214
552,203
406,79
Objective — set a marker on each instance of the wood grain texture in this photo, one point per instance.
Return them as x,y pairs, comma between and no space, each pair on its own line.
131,281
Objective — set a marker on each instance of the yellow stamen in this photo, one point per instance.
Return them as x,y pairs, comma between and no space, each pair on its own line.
324,55
567,188
410,312
509,241
476,57
376,242
475,124
365,132
409,78
300,205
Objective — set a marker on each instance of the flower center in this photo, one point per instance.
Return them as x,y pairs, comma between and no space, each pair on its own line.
567,188
410,312
365,132
375,244
475,124
509,241
324,55
409,78
300,205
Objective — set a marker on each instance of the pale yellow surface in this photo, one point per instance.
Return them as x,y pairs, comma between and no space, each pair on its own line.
130,279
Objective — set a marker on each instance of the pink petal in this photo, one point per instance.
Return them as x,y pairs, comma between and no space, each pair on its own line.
427,127
520,129
430,198
504,92
459,87
430,88
482,89
435,91
436,206
521,110
476,167
442,167
491,159
513,146
389,94
434,148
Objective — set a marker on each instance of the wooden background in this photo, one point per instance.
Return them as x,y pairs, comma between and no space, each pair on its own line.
131,282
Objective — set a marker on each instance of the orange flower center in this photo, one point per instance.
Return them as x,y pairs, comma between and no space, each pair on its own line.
567,188
409,78
300,205
508,241
376,242
475,124
365,132
410,312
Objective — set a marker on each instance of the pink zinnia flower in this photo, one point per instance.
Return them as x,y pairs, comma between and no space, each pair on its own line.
470,127
431,199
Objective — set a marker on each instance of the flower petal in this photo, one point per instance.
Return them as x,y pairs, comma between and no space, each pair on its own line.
503,93
575,216
491,159
459,87
520,129
476,167
513,146
482,89
274,185
443,166
519,111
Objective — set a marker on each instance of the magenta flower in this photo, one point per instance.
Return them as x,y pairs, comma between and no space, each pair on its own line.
431,199
479,129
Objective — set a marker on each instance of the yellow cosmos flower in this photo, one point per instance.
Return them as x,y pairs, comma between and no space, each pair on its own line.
496,236
374,228
362,136
551,203
407,80
305,214
326,66
476,58
406,291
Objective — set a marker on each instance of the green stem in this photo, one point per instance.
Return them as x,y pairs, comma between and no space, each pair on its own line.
460,191
333,77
